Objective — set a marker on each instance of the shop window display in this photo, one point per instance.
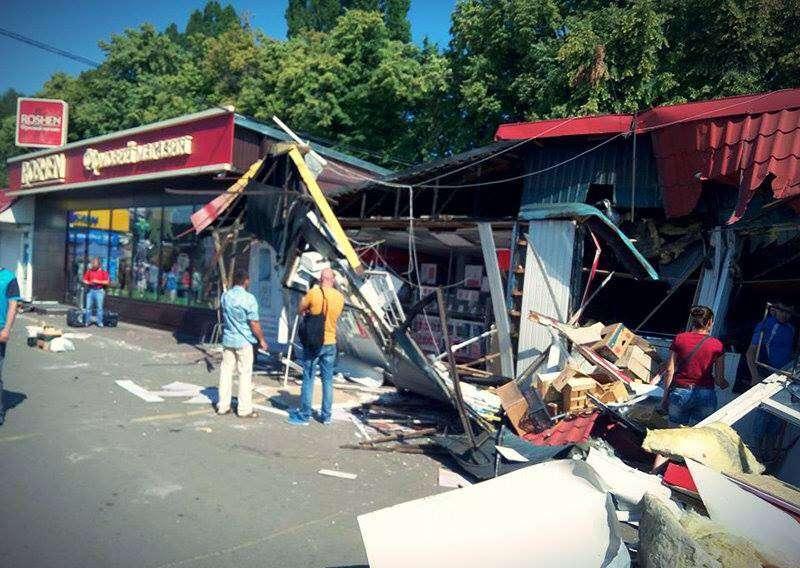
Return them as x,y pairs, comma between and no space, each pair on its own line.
150,254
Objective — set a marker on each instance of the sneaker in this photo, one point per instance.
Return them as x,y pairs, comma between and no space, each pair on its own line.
297,420
100,324
325,421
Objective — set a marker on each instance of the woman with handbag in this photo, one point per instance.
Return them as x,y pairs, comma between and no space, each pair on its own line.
694,366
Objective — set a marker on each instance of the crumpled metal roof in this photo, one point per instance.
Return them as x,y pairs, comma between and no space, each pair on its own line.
571,430
6,200
742,151
738,140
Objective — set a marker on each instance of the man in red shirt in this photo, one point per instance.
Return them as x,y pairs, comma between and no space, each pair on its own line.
695,364
96,279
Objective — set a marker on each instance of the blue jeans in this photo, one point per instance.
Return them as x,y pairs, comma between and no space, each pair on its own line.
690,406
95,298
325,357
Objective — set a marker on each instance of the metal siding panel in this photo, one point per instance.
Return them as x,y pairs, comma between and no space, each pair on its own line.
555,243
609,164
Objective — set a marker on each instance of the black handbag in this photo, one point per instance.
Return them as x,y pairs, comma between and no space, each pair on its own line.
311,330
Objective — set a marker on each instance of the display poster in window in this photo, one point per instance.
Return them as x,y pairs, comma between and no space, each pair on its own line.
473,274
427,273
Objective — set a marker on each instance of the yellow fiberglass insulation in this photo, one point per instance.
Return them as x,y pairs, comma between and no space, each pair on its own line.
717,446
731,551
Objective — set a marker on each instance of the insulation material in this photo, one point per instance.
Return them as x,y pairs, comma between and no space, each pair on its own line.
771,486
453,528
715,445
664,543
547,285
731,551
775,535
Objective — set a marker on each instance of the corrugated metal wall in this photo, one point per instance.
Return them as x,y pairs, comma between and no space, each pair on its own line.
554,244
610,164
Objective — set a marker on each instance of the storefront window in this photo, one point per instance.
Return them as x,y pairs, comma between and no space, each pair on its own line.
177,247
76,253
120,253
145,228
151,254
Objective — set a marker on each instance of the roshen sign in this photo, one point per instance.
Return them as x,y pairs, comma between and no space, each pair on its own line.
46,168
133,153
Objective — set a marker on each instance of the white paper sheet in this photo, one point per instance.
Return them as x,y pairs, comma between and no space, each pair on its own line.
511,454
340,474
449,478
139,391
775,534
627,484
553,515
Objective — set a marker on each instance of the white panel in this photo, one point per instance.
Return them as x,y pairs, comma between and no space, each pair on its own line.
551,248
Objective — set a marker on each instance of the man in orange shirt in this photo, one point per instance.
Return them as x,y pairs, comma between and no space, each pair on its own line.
323,299
96,279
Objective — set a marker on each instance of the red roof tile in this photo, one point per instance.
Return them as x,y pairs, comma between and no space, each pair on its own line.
737,140
573,430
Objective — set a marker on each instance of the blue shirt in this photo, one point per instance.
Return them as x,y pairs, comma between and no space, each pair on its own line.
777,342
9,290
239,307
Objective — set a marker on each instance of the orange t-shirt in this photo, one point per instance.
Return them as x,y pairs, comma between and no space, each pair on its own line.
314,300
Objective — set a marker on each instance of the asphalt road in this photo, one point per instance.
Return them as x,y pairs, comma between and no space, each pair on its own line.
91,475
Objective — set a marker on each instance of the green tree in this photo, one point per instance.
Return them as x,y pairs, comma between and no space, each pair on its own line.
324,14
213,20
395,14
8,102
298,17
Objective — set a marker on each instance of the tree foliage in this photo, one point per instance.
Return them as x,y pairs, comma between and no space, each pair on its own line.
349,75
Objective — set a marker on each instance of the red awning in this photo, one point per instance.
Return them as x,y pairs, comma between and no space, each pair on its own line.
574,126
6,200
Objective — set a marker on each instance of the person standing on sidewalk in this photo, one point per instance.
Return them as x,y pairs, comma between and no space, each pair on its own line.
326,300
241,331
96,279
9,296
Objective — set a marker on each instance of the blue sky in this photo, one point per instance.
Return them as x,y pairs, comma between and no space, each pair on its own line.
77,26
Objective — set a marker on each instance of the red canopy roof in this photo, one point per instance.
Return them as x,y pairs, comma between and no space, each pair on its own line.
738,140
6,201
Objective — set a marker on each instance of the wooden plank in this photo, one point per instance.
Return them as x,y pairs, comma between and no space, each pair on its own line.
325,209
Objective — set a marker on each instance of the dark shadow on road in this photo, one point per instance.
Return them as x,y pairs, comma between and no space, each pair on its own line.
12,399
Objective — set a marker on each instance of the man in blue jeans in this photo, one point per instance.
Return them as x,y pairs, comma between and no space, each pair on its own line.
96,279
323,299
9,296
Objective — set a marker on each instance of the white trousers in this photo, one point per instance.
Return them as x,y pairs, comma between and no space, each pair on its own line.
241,361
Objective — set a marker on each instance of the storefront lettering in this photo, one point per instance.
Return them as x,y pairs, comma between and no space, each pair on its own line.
133,153
46,168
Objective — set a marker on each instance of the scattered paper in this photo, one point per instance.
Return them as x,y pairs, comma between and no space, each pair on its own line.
449,478
139,391
76,335
775,534
583,335
341,474
178,389
271,409
628,485
206,396
511,454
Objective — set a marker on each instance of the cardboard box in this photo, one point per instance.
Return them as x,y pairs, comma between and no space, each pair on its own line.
544,386
611,392
574,393
639,364
615,341
525,411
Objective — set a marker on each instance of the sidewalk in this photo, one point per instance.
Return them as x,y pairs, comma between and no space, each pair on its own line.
94,476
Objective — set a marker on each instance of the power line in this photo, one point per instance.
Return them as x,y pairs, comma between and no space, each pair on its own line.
48,47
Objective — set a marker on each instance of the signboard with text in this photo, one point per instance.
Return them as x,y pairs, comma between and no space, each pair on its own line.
41,123
201,144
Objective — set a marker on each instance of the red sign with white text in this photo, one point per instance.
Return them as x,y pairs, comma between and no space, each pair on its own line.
41,123
202,144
